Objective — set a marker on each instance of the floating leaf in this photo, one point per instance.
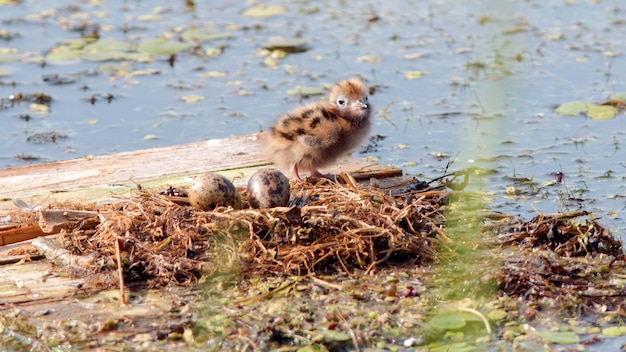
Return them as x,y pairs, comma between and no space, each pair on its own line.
119,69
241,92
572,108
213,74
150,17
415,74
161,46
553,36
618,96
76,43
63,54
614,331
192,98
415,56
560,337
9,54
447,321
146,72
204,35
213,52
101,56
150,137
39,108
288,45
368,58
306,91
610,53
264,11
497,314
335,336
108,45
602,112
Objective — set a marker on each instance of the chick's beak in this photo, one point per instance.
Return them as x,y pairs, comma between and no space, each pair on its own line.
361,104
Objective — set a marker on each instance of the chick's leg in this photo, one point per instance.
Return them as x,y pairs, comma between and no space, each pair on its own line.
294,171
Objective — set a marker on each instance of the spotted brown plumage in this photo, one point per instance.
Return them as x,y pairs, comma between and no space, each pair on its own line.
317,134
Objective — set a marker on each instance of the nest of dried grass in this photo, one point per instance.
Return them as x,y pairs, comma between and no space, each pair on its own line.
331,227
575,264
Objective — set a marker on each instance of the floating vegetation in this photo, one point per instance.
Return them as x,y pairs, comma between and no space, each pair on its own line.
288,45
604,110
45,137
571,263
14,100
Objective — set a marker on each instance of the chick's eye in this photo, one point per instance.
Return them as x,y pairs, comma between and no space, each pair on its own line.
341,102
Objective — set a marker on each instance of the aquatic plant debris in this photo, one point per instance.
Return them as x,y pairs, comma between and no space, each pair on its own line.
604,110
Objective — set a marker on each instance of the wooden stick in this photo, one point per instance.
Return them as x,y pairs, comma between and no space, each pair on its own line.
63,257
120,271
20,234
365,175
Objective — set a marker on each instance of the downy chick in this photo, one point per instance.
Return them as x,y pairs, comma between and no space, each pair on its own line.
317,134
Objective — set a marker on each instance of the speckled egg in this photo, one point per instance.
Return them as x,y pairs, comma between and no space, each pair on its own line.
210,190
268,188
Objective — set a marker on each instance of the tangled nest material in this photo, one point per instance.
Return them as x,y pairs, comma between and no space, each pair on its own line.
578,264
332,228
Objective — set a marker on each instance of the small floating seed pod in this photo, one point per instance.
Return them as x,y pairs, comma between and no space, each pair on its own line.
268,188
211,190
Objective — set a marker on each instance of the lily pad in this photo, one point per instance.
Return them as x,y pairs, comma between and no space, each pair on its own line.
602,112
76,43
263,11
448,321
204,35
101,56
9,57
288,45
63,54
108,45
161,46
614,331
572,108
335,336
560,337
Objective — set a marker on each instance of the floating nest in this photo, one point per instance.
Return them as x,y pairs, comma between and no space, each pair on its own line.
571,263
330,227
570,258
